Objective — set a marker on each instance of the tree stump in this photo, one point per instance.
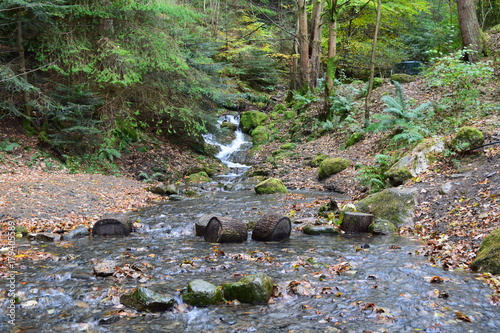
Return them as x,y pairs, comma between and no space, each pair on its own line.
113,224
201,224
356,222
225,230
272,228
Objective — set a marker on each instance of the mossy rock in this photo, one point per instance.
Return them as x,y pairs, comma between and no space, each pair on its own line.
397,176
254,289
316,160
467,137
320,230
354,138
200,177
143,299
260,135
382,227
251,119
488,257
402,78
229,125
332,166
201,293
270,186
394,204
377,82
289,115
289,146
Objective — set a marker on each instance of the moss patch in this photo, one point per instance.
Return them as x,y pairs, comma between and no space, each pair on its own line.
467,137
251,119
260,135
269,186
332,166
488,257
394,205
199,177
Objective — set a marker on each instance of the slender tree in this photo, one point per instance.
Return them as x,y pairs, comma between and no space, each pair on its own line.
372,64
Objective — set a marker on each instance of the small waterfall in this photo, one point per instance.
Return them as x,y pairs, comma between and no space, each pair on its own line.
231,154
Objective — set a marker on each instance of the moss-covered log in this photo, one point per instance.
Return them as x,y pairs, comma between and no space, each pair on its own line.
225,230
272,228
356,222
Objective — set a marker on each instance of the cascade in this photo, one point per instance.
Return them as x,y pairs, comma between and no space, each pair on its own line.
231,154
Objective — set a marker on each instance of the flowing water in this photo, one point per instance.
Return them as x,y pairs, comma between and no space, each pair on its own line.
349,283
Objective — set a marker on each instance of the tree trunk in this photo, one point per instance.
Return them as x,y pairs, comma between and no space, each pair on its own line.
22,63
201,225
315,60
372,65
113,224
469,27
332,46
225,230
356,222
272,228
304,65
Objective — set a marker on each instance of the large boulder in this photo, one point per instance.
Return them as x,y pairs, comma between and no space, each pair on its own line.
201,293
467,137
332,166
270,186
417,160
488,257
144,299
251,119
260,135
393,204
254,289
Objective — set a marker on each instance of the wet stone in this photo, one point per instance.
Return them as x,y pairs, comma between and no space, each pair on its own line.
105,268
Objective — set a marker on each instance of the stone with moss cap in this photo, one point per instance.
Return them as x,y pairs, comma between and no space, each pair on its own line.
397,176
394,204
199,177
332,166
144,299
251,119
354,138
260,135
201,293
488,257
270,186
467,137
254,289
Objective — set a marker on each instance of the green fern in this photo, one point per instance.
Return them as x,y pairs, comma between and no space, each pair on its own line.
405,122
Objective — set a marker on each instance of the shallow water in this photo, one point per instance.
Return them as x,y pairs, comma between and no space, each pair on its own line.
386,288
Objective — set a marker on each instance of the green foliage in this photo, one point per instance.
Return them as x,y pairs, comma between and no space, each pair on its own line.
459,78
404,122
374,176
7,146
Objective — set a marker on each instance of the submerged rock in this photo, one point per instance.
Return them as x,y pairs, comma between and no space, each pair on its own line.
77,233
488,257
201,293
254,289
105,268
320,230
144,299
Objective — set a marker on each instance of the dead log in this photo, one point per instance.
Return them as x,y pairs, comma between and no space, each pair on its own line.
201,224
113,224
225,230
356,222
272,228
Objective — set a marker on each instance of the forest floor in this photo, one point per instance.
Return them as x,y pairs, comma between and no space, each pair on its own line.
40,195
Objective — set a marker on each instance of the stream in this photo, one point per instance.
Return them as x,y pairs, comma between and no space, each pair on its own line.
344,283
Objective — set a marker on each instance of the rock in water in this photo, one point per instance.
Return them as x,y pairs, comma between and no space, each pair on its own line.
201,293
143,299
272,228
254,289
105,268
356,222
